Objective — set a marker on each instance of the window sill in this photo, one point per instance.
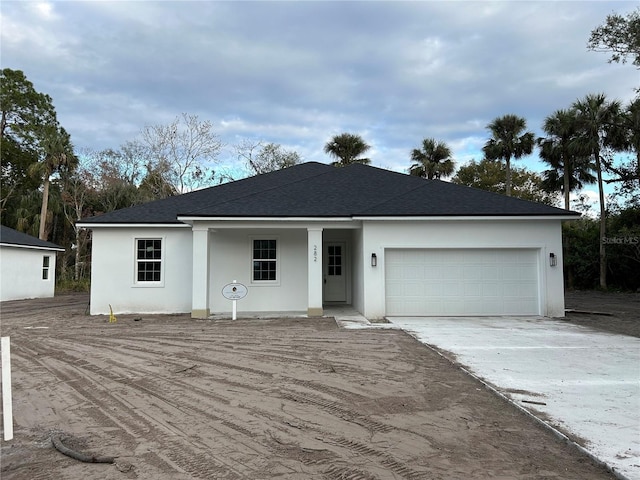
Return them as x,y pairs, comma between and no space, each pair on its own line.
148,285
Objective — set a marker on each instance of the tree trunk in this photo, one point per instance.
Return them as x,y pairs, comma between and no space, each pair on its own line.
508,181
76,267
603,224
566,181
43,211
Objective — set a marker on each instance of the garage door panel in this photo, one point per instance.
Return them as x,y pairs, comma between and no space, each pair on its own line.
472,289
413,289
434,289
452,272
491,289
462,282
490,272
472,272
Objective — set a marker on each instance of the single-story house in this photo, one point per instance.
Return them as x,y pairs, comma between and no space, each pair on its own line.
314,235
27,266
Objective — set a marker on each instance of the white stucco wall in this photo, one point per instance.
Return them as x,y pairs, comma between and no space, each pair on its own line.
113,279
544,235
21,273
231,259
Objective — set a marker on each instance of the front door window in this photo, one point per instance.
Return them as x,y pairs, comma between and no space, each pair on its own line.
334,260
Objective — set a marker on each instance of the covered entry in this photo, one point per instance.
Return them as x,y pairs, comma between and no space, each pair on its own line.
456,282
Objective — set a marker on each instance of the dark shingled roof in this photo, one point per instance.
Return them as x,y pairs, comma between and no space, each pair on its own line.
10,236
319,190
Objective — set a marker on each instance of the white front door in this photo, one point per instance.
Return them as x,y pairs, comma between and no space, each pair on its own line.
334,272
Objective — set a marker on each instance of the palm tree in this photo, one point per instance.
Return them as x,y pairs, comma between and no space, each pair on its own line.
432,161
597,120
508,140
569,169
56,153
347,149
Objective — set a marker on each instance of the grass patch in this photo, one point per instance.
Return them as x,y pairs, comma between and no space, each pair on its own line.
70,285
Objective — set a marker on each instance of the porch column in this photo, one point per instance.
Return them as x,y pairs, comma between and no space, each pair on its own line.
314,245
200,269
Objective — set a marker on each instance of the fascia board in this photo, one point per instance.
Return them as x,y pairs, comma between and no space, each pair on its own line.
32,247
264,219
131,225
471,218
274,223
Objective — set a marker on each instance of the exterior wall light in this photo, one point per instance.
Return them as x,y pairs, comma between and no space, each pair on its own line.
553,260
374,260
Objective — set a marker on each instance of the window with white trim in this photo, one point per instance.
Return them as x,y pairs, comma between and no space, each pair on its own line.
45,267
148,260
265,260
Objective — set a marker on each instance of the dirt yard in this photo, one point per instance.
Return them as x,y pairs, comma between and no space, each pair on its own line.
176,398
610,312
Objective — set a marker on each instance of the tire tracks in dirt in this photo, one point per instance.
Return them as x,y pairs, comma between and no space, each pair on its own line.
108,382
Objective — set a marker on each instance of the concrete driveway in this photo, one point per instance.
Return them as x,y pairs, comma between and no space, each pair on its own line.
583,383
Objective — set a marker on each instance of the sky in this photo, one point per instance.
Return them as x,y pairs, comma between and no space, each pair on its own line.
297,73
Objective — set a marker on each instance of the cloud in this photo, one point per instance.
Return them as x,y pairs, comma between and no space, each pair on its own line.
297,73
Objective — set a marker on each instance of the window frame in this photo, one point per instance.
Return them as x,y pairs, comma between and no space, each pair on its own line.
46,267
137,261
253,239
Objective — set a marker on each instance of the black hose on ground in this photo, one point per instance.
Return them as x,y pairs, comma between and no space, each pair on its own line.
57,443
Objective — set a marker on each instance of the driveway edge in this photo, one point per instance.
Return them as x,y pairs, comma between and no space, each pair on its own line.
551,428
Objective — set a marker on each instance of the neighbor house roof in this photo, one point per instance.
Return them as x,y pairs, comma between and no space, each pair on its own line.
11,237
319,190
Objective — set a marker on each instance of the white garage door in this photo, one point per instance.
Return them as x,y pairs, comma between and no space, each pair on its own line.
461,282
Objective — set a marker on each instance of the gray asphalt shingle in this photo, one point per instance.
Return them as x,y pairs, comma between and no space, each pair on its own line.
319,190
10,236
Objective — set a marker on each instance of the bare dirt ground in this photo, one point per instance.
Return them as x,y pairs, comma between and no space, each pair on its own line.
610,311
176,398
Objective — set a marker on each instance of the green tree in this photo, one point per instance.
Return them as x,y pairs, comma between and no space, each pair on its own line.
620,36
490,176
508,140
624,248
23,111
347,148
598,120
56,155
433,160
631,123
570,169
156,184
627,173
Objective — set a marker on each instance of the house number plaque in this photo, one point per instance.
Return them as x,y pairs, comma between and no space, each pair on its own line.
234,291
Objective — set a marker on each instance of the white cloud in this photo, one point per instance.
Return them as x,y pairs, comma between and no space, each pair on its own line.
297,73
43,9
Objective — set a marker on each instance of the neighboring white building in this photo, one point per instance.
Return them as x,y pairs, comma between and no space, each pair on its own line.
27,266
314,235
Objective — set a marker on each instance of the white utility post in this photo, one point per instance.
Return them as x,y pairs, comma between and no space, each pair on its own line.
7,405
